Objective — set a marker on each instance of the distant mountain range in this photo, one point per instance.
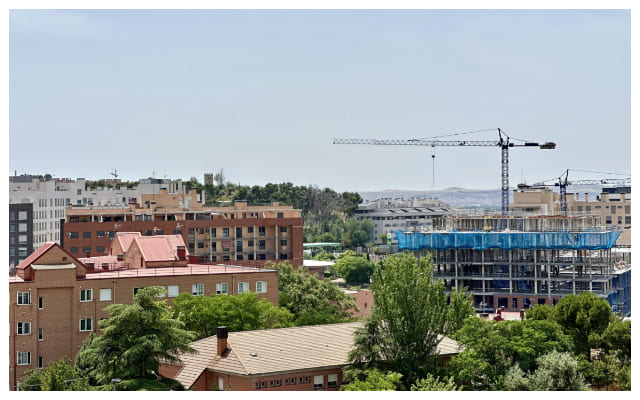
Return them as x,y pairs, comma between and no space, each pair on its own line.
459,197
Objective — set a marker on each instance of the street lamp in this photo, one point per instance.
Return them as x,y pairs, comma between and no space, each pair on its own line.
115,381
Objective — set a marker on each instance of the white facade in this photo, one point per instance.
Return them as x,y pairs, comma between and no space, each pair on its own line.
51,198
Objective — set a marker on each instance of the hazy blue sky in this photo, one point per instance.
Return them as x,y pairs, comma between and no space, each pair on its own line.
263,93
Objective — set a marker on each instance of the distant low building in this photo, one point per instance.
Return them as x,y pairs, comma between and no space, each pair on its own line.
389,215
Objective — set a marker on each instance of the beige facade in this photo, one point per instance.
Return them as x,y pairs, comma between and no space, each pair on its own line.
612,206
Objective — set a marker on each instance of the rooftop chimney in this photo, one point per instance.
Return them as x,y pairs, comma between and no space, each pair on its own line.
222,334
182,253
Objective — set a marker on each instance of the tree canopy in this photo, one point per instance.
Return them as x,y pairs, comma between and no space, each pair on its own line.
134,339
312,301
241,312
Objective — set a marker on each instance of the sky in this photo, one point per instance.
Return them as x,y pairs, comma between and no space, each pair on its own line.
263,93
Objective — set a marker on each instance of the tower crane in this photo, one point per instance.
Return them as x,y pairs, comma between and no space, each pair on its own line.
504,142
563,182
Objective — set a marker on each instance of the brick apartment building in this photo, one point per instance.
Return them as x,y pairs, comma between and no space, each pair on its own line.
247,235
56,299
299,358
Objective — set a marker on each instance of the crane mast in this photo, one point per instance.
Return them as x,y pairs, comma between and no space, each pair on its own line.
503,142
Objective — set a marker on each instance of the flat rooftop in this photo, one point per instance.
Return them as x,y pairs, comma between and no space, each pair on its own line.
190,269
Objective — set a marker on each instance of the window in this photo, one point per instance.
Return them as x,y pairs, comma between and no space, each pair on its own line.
292,381
307,379
221,288
86,249
239,245
238,232
280,215
201,245
332,380
250,257
22,239
105,294
24,328
261,287
619,219
74,249
514,302
283,256
318,382
608,219
627,220
40,362
197,289
243,287
283,229
100,249
85,324
261,244
261,231
225,232
40,303
86,294
100,234
173,290
283,242
22,227
278,382
86,235
24,298
263,384
301,380
213,246
24,358
40,334
250,243
73,235
257,385
627,209
250,229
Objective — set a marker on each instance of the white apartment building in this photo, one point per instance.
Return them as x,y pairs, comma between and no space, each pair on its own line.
50,199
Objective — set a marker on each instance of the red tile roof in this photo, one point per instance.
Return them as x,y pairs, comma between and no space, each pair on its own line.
37,254
126,238
159,248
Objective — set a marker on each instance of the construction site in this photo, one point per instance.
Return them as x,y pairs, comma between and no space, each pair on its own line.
517,262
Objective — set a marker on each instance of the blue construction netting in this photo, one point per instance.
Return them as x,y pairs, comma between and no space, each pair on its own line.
507,240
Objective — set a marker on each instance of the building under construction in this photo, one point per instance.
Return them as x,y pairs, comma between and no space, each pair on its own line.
519,262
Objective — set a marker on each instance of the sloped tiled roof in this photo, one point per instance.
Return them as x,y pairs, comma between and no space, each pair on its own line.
33,257
278,350
159,248
126,238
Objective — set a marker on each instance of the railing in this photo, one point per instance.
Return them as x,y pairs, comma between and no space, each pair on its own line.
199,269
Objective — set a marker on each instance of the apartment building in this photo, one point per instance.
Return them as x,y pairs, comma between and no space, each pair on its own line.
20,234
388,215
518,262
286,359
612,206
56,299
249,235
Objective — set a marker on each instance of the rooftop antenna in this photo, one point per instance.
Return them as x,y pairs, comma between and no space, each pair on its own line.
114,173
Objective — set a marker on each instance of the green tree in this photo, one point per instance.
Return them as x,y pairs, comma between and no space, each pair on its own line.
57,376
241,312
322,256
411,312
312,301
134,339
584,318
616,339
355,270
432,383
460,308
557,371
492,348
375,381
32,380
542,312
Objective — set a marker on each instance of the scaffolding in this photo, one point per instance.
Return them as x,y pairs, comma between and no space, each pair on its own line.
517,269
